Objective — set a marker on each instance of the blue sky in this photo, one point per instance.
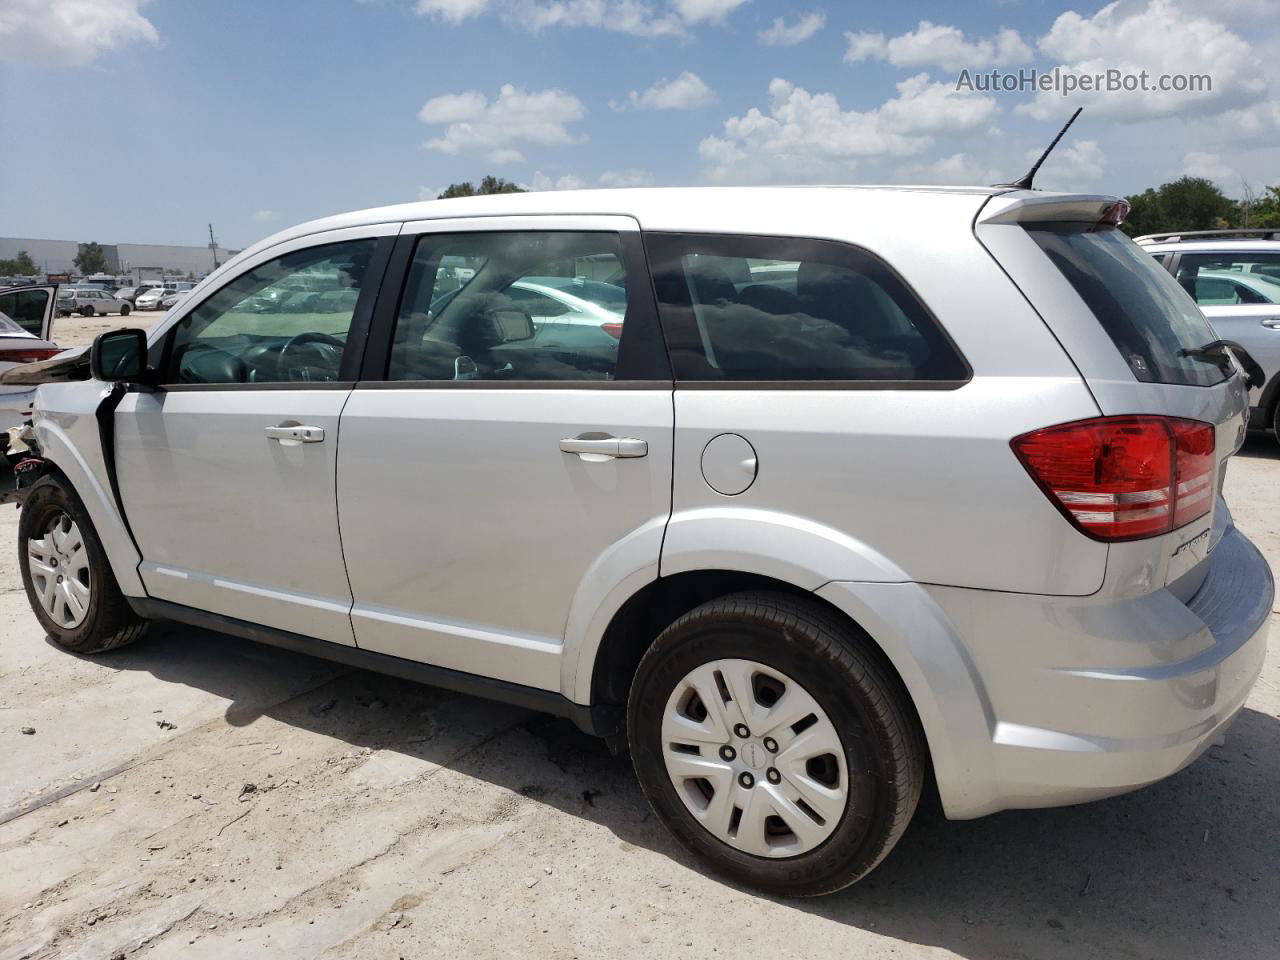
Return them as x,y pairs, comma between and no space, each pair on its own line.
151,119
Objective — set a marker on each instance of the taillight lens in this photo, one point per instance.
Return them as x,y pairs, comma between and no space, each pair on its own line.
29,354
1123,478
612,329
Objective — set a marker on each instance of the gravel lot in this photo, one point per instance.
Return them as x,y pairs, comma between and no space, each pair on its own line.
200,796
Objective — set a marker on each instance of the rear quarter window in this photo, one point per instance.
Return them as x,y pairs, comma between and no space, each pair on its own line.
748,308
1144,311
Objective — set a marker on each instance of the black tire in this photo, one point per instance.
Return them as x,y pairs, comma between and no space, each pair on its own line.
1275,421
840,668
109,621
124,309
87,310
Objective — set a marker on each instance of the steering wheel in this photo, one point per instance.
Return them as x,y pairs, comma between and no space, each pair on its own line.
326,356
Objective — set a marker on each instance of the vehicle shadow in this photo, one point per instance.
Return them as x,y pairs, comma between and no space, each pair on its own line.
1260,446
1184,868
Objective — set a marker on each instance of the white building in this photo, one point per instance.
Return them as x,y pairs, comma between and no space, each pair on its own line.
139,260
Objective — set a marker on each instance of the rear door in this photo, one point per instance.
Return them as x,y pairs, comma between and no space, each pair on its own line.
1132,332
488,472
32,308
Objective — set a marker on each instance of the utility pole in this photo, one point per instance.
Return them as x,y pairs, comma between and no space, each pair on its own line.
213,247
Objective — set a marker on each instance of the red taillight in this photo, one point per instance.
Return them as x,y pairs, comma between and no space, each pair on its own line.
612,329
1123,478
29,355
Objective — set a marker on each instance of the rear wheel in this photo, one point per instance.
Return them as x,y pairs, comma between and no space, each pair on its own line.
68,579
774,743
87,310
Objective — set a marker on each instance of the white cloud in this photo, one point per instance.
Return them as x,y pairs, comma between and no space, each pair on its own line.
569,181
1211,166
686,92
429,193
1160,37
626,178
936,44
70,31
265,216
451,11
805,136
783,35
957,169
1077,166
709,11
635,17
474,125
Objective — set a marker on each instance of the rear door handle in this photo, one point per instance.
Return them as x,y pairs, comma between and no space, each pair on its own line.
597,447
295,433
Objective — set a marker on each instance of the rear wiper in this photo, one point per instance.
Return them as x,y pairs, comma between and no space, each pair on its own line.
1254,375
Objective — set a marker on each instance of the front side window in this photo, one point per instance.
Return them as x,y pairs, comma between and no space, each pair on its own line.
26,308
1226,279
284,321
518,306
737,308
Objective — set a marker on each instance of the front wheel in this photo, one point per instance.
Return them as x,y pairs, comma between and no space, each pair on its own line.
68,579
87,311
124,309
775,744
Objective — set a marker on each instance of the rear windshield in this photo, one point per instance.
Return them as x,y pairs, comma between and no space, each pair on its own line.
1148,316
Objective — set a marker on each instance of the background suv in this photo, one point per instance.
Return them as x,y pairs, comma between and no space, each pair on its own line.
1234,275
860,488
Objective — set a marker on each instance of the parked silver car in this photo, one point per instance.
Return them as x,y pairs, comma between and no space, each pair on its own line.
1235,278
88,303
873,487
151,298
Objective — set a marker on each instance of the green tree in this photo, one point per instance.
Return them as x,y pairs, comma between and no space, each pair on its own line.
1189,203
21,266
1266,209
488,185
90,259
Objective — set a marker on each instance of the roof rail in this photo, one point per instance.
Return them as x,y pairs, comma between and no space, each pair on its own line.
1261,233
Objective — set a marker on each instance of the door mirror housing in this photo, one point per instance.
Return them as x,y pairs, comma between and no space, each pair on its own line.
119,356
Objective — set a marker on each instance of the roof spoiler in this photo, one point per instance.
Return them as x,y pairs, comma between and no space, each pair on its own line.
1261,233
1026,207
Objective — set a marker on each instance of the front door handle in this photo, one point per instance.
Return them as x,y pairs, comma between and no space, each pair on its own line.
595,447
1272,322
292,433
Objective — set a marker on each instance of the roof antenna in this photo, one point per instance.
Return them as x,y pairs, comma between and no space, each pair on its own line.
1024,181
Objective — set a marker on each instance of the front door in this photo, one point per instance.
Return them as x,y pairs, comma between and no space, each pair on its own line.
227,471
511,448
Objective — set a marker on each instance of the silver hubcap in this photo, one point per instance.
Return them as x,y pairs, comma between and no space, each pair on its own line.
755,758
59,565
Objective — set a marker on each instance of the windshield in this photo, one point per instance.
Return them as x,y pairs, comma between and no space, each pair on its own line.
1149,318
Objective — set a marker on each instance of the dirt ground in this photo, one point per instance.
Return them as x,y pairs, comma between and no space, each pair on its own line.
200,796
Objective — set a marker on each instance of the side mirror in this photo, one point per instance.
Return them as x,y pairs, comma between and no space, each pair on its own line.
119,355
511,324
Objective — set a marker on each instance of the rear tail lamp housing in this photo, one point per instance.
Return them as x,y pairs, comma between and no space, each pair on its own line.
1123,478
30,354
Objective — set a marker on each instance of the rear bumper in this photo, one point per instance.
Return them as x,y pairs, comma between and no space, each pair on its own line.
1088,698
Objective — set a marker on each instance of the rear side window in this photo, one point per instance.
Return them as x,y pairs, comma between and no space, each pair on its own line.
1141,307
1227,279
738,308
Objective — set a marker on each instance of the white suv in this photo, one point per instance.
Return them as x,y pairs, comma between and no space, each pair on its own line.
843,490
